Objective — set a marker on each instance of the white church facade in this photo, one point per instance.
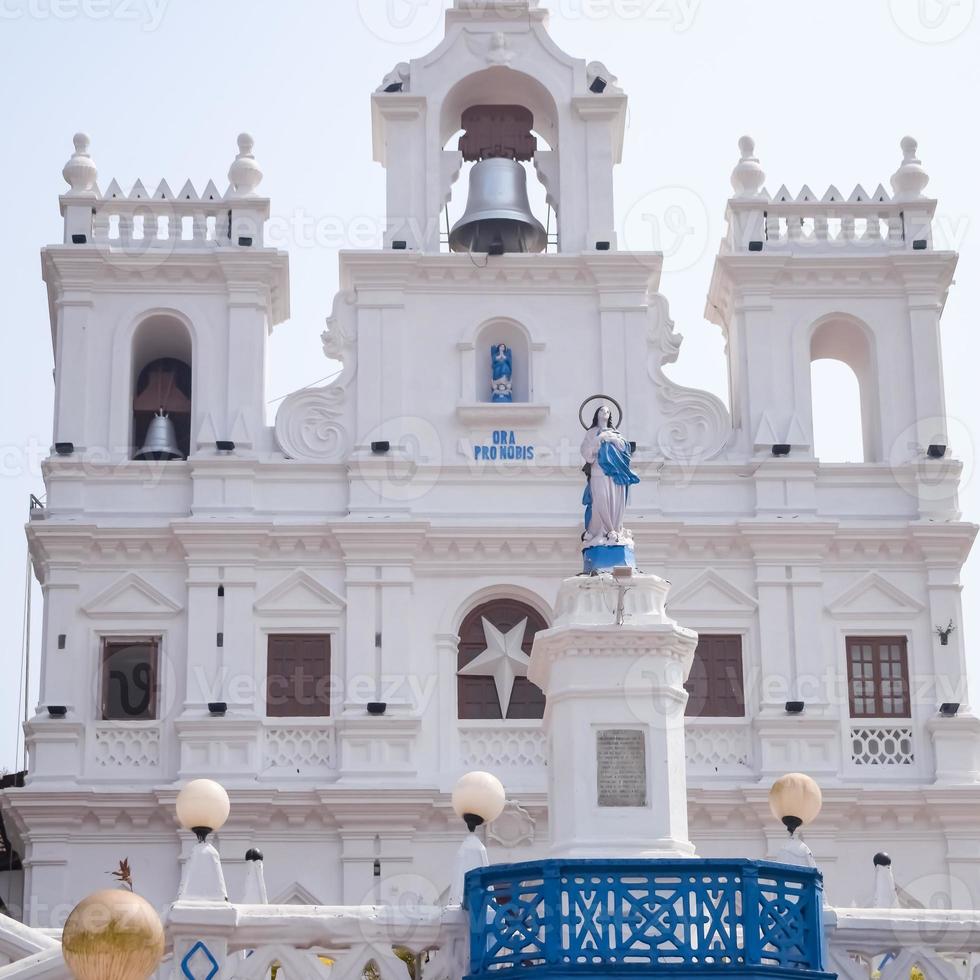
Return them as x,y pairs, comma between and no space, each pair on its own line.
333,615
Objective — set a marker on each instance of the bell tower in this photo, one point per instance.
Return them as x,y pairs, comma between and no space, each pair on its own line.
162,302
498,76
851,277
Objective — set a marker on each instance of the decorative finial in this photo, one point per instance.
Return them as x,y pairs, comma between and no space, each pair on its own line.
885,894
244,173
747,177
909,181
79,172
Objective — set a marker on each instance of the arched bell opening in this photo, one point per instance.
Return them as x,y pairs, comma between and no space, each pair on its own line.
162,380
503,123
498,196
844,391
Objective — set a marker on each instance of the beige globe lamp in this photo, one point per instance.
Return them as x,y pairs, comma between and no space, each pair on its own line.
795,800
113,935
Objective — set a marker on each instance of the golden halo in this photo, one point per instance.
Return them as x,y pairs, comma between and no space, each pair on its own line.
600,398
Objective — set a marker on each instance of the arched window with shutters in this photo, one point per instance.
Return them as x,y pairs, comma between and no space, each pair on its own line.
494,651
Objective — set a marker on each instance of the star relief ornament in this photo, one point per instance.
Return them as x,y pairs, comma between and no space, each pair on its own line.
503,660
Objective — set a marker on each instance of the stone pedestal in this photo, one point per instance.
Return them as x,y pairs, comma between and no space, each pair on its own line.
615,719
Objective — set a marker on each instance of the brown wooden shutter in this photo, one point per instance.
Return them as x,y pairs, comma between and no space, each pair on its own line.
298,676
130,675
715,686
477,696
878,676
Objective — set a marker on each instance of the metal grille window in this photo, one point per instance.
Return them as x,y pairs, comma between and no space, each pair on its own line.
477,696
298,676
129,679
878,676
715,686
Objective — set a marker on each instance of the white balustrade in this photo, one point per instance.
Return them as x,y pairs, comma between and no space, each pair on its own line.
882,744
493,746
127,745
802,223
807,223
245,942
896,944
299,749
141,223
718,747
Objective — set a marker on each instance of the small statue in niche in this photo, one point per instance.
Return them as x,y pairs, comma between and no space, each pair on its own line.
501,361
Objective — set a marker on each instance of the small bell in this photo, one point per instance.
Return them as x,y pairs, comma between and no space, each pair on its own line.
498,214
161,439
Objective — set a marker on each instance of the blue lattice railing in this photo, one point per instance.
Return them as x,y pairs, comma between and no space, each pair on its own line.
645,916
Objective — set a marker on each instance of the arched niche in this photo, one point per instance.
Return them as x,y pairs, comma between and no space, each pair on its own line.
486,629
845,339
513,335
161,379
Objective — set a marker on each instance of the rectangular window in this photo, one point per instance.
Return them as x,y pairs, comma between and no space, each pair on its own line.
878,676
298,676
129,679
715,686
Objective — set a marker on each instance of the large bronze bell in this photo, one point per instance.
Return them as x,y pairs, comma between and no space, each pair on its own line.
161,439
498,214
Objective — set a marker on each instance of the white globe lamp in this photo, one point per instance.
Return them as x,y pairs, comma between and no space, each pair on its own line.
478,798
203,807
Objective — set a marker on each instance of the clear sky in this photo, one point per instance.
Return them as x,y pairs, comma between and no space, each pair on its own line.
827,87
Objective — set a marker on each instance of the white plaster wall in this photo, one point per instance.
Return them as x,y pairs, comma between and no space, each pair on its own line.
308,529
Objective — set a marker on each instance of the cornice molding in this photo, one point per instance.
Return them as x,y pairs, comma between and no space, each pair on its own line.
97,269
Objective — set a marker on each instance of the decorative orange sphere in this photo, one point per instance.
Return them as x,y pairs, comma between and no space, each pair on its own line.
113,935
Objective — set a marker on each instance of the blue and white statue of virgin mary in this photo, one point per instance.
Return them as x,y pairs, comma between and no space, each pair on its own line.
606,543
502,369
